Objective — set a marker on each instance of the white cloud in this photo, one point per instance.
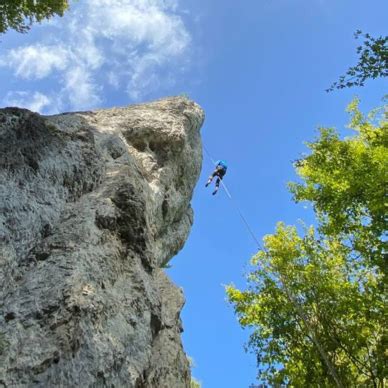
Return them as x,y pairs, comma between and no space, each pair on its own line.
81,90
36,61
131,45
37,102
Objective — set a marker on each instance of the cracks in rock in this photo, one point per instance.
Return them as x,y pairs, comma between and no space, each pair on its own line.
45,364
125,327
130,221
9,316
156,325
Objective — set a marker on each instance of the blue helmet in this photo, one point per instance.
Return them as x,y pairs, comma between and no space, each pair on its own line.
223,164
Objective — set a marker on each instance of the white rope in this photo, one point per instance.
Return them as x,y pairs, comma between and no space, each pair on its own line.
235,203
289,294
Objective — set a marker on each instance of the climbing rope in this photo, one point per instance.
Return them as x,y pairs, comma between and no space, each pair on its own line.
250,231
290,296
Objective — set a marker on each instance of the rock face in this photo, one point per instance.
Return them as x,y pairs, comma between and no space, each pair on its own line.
93,204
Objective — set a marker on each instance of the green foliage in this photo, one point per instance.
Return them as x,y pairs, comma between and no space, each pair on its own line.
372,62
20,14
326,286
346,180
195,383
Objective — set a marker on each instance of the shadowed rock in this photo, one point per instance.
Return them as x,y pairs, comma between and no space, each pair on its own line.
92,204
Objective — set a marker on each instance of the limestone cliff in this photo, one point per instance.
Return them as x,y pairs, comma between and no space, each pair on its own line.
92,205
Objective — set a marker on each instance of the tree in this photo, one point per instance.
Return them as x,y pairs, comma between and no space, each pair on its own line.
195,383
20,14
372,62
316,301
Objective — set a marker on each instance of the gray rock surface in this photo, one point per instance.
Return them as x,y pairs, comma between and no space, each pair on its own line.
92,205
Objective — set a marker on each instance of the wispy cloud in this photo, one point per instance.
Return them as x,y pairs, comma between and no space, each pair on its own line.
35,101
129,45
80,88
36,61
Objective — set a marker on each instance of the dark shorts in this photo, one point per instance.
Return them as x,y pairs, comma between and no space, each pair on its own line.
220,172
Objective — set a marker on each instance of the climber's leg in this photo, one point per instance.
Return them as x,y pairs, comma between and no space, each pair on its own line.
211,178
217,185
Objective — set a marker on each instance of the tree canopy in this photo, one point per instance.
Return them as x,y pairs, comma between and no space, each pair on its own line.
194,383
372,62
316,301
20,14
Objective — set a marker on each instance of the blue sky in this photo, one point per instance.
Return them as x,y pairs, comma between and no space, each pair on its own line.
259,68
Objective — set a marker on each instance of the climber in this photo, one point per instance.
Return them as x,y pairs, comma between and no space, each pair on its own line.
219,172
